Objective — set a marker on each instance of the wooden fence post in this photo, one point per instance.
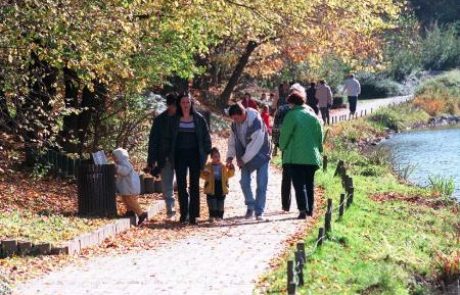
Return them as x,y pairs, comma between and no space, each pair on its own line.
324,163
320,236
341,205
351,193
301,249
328,217
299,267
290,278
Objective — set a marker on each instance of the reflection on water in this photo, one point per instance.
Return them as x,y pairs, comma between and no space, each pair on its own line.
430,152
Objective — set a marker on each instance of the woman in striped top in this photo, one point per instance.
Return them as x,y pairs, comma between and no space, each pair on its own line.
192,145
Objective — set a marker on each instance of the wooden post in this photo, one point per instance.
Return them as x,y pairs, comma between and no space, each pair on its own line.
299,267
290,278
301,249
328,217
324,163
341,205
351,193
320,236
365,112
340,168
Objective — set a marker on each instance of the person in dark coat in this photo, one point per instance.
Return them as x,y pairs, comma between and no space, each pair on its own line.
312,101
191,145
160,143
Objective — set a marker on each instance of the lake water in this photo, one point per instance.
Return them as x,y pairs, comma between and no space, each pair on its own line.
430,152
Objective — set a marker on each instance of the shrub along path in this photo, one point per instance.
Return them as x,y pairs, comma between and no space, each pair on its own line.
224,258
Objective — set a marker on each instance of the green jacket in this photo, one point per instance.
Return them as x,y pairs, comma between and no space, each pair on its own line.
301,138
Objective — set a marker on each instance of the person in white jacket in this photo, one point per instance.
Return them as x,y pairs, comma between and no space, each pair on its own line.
353,90
128,183
324,97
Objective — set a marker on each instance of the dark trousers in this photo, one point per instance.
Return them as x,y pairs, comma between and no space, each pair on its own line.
216,206
286,181
325,114
188,161
303,177
352,101
314,106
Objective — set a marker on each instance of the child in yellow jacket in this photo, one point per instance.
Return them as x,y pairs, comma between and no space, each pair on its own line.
216,177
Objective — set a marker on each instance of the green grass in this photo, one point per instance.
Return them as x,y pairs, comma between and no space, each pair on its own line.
378,247
44,228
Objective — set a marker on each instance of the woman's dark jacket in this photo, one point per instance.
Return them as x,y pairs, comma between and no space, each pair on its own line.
202,135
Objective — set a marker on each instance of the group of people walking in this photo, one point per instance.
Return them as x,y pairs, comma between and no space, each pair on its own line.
180,144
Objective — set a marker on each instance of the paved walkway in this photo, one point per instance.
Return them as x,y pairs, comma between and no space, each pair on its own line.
225,258
366,106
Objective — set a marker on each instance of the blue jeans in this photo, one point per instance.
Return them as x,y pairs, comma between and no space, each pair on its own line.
258,205
167,185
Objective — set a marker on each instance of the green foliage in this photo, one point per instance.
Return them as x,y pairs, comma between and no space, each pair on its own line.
441,186
378,86
40,171
400,117
411,49
440,94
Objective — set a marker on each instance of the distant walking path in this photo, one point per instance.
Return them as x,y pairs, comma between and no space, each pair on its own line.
216,259
368,106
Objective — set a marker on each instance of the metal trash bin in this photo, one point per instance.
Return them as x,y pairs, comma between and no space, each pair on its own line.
97,190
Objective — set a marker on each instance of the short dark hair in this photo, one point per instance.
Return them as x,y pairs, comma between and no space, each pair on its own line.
322,81
214,150
312,84
296,99
171,98
236,109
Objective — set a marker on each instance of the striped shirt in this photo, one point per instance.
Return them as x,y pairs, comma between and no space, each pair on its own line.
186,138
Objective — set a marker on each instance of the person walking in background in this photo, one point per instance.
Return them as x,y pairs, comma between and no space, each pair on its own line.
128,183
249,144
312,101
353,89
216,177
248,102
324,96
160,144
265,114
191,147
301,141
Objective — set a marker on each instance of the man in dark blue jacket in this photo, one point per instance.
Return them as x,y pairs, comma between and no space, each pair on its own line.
160,147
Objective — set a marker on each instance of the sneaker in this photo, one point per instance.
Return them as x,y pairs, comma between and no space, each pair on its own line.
193,221
302,215
249,214
260,217
142,218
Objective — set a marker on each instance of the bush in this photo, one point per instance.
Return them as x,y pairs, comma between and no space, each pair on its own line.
440,94
378,86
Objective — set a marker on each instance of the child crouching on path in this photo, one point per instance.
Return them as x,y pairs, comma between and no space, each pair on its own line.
128,183
216,177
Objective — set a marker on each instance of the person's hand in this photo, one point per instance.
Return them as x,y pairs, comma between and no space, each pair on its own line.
230,166
229,161
240,163
206,172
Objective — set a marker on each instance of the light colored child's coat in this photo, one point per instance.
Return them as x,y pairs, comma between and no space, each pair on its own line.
127,182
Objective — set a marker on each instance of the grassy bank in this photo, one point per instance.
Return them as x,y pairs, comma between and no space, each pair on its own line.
395,238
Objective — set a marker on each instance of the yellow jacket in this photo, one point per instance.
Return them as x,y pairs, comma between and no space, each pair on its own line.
208,175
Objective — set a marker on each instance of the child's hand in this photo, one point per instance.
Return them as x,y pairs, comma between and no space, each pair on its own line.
230,166
205,172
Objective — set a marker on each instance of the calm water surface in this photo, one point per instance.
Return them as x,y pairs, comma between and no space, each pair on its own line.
430,152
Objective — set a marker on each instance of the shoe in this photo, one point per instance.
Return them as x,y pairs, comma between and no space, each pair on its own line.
193,221
142,218
129,214
212,219
170,214
249,214
183,219
302,215
260,217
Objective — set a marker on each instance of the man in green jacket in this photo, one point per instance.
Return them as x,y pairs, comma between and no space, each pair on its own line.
301,141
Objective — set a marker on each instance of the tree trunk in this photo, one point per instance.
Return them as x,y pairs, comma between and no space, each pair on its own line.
232,82
5,118
84,118
68,136
99,109
37,107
